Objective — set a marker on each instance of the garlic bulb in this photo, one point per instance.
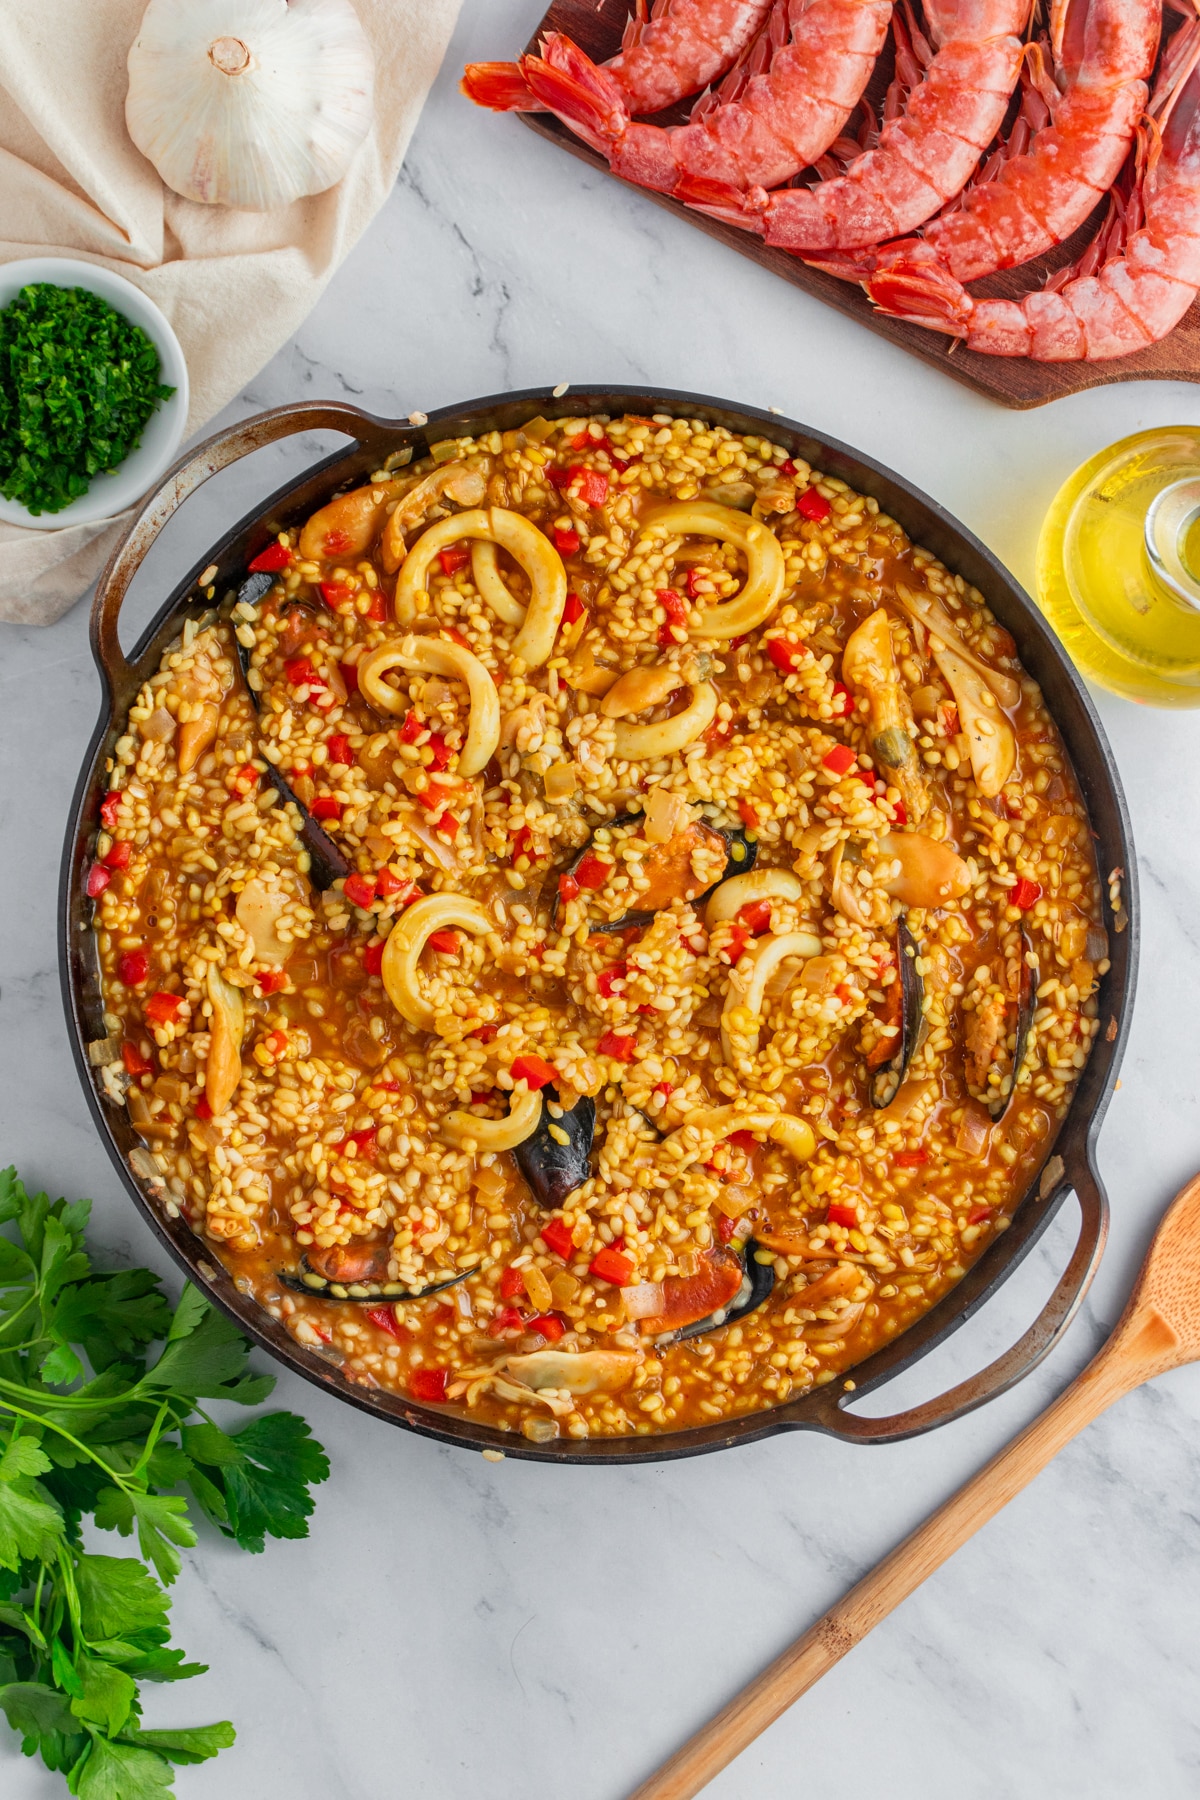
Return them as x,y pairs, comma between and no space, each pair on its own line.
250,103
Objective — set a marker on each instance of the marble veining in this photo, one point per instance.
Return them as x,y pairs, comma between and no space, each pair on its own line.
455,1627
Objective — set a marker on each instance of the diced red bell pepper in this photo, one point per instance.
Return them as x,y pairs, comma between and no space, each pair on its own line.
202,1109
592,873
378,607
336,593
435,795
748,814
385,1318
742,1140
359,889
456,637
163,1008
840,760
98,879
573,609
272,980
673,604
568,888
594,487
300,672
276,556
867,777
428,1384
534,1071
133,968
363,1141
549,1325
556,1235
693,579
978,1214
447,824
409,894
901,812
505,1320
110,806
559,478
522,844
841,1213
787,468
910,1159
135,1062
441,753
444,942
326,807
739,937
512,1284
843,699
665,1089
455,558
566,542
726,1229
373,959
1026,893
622,1049
785,656
718,733
411,728
612,1266
665,636
608,978
755,916
349,674
387,884
339,751
118,854
813,505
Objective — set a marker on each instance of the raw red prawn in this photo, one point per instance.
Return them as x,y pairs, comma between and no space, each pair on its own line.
782,119
1142,291
679,49
1066,150
923,157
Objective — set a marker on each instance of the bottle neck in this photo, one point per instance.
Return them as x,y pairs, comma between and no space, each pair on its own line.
1172,519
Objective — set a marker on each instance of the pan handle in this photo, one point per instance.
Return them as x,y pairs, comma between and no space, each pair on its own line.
1025,1354
192,471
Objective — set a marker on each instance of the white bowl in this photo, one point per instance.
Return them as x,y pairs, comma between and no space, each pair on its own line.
109,494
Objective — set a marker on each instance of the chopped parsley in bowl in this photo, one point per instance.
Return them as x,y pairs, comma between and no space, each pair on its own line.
93,393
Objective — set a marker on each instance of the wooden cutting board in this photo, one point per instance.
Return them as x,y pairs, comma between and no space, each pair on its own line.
596,26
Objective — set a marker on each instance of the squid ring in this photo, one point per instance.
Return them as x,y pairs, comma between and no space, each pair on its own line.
766,572
525,544
438,656
437,912
746,992
496,1134
758,884
717,1122
485,572
643,743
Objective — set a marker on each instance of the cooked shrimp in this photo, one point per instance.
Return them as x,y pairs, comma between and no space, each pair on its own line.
922,159
786,115
678,50
1065,151
1152,273
869,667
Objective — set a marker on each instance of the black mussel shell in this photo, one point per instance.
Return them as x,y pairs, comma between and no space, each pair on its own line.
553,1170
1026,1006
305,1280
252,590
757,1284
743,854
885,1082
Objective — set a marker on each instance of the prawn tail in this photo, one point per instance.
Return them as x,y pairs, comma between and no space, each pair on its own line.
585,97
910,283
847,265
499,86
720,200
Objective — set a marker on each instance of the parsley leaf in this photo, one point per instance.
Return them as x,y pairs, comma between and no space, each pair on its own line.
264,1471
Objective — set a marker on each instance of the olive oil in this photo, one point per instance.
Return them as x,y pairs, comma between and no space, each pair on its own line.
1118,567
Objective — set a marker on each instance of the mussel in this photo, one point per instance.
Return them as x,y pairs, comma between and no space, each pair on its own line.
741,852
1027,988
357,1272
754,1289
326,862
553,1169
885,1081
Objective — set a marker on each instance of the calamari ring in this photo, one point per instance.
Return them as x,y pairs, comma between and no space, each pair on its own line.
766,572
525,544
437,912
747,989
438,656
743,890
644,743
485,572
496,1134
691,1138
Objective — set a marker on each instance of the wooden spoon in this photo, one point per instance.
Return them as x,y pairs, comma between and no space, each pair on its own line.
1159,1330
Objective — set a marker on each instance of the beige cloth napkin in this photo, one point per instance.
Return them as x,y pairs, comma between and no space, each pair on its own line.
235,285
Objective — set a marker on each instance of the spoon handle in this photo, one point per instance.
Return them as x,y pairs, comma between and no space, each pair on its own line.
900,1573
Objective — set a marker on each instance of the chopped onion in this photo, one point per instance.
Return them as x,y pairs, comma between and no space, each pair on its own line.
644,1300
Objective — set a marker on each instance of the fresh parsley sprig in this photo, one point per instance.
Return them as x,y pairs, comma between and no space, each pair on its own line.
92,1423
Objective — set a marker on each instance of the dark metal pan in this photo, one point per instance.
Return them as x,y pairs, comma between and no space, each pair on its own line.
1070,1164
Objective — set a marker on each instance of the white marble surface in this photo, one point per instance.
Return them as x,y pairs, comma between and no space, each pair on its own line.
455,1627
